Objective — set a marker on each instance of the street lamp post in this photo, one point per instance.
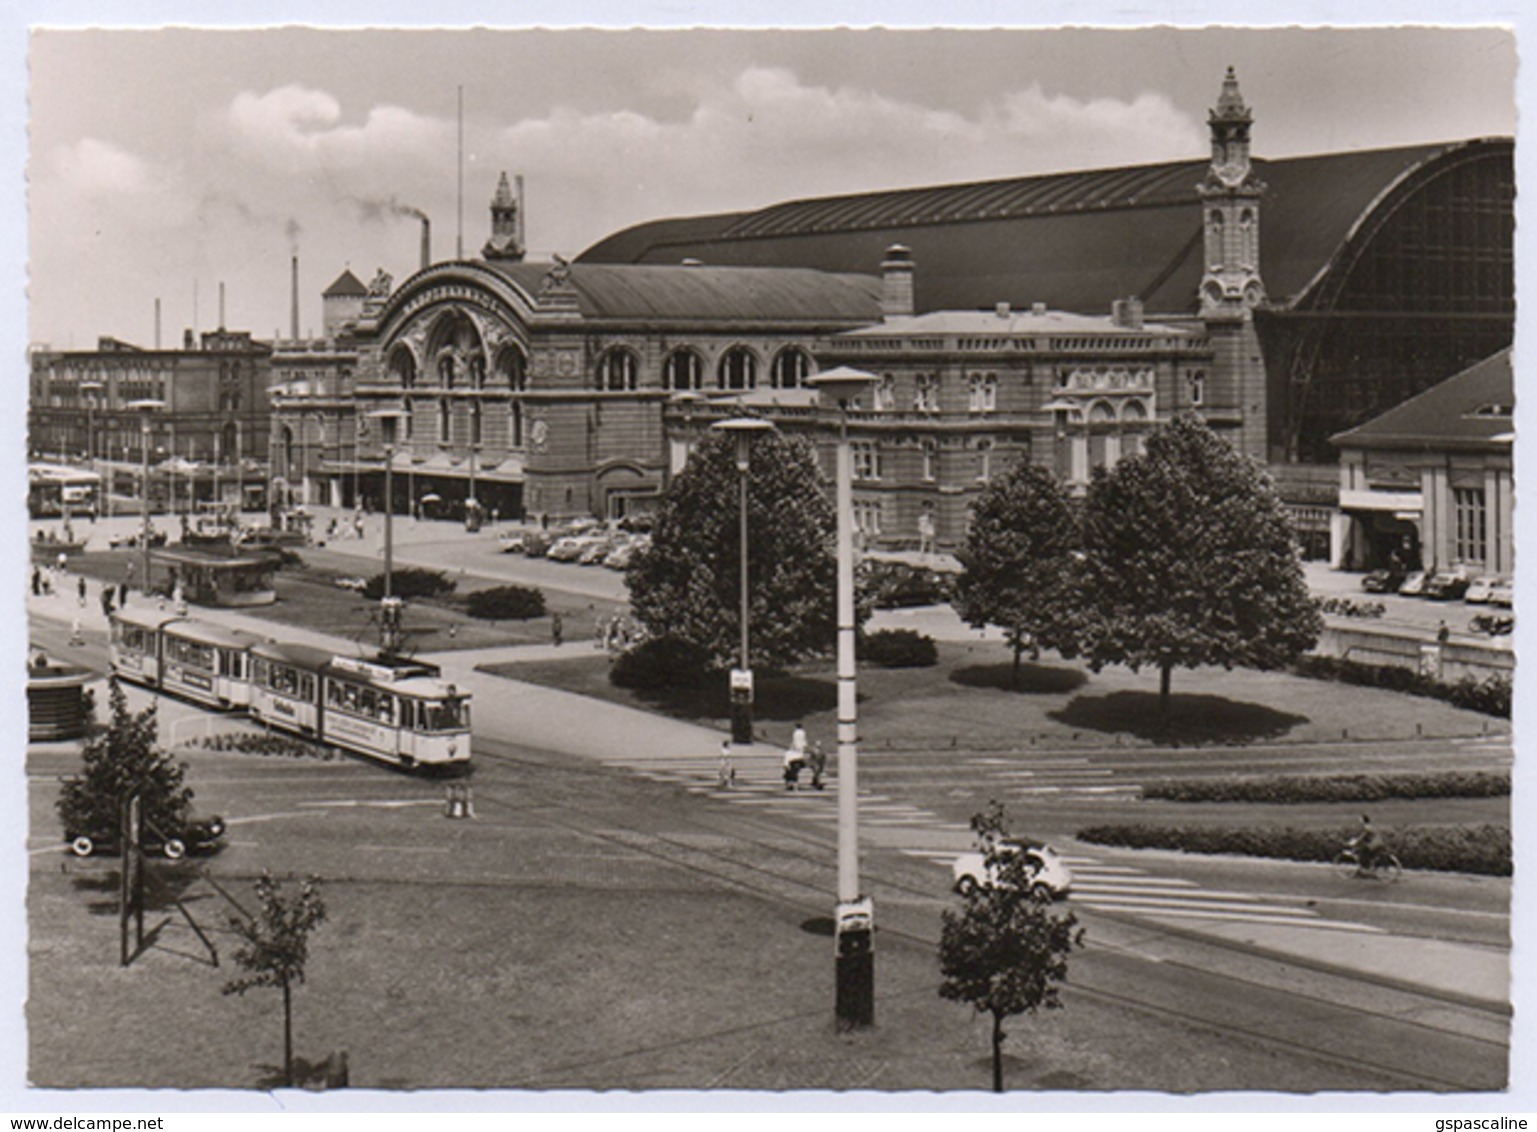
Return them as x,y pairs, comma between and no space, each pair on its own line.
92,388
145,408
855,914
389,604
743,429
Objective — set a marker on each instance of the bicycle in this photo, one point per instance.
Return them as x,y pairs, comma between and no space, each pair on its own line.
1384,866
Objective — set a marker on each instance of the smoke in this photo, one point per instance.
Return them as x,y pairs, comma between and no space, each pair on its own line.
374,209
292,230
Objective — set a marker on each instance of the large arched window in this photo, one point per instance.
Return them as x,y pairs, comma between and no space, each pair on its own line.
477,372
619,370
445,420
792,366
738,369
446,375
683,371
403,367
512,366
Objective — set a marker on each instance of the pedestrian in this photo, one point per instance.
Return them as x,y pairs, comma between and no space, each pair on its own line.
122,595
725,773
798,740
818,761
106,601
80,589
1442,634
63,562
37,581
793,762
75,636
557,629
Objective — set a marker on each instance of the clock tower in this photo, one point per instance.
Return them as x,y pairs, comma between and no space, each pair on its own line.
1230,193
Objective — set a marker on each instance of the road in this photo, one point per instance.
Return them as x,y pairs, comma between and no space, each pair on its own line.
1370,986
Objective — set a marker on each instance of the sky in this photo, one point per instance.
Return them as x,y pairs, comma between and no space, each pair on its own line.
162,163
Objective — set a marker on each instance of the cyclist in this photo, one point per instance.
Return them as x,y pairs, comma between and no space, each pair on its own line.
1366,843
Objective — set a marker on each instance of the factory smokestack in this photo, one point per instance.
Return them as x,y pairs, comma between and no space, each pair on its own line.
426,243
293,313
522,241
157,324
221,304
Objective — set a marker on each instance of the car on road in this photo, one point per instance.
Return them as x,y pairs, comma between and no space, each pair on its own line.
1384,581
1481,589
624,554
1446,585
1046,873
191,837
128,541
1414,584
1503,594
352,583
570,548
595,552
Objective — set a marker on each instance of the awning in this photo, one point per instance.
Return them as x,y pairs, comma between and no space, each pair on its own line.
1354,499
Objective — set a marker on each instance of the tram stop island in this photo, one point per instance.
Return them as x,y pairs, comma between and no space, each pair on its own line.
215,575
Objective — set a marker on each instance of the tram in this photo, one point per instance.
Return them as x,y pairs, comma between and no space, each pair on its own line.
392,709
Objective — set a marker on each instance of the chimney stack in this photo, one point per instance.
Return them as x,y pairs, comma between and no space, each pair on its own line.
157,324
426,243
897,283
293,319
186,339
221,304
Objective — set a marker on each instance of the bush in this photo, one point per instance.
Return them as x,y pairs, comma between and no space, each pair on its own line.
506,603
1349,607
660,663
1483,849
896,585
898,648
410,582
265,743
1330,788
1490,695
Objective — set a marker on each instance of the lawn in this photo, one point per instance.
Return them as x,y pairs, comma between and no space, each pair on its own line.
966,701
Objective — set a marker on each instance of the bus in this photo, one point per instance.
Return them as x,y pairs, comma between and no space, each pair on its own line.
59,490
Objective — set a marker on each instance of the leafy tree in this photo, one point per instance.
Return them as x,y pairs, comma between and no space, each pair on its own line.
275,947
1189,559
1006,950
687,584
118,759
1019,561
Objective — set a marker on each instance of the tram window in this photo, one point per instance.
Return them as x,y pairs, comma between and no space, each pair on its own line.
349,697
366,698
333,693
384,711
443,716
307,686
407,714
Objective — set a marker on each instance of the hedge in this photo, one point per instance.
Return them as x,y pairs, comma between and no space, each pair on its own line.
413,581
265,743
898,648
1330,788
660,663
506,603
1490,695
1483,849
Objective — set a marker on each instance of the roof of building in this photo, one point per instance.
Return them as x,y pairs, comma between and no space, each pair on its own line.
707,294
1469,409
1074,240
347,286
1014,323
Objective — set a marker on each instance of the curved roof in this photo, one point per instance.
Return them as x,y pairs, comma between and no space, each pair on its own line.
726,294
1076,241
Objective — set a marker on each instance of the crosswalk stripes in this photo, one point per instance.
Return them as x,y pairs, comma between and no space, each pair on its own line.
1126,889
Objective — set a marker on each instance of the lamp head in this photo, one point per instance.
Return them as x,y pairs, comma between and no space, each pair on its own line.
842,385
743,428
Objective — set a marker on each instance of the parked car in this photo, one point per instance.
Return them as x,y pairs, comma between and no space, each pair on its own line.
1414,584
536,544
1046,873
126,541
510,542
352,583
1503,594
1481,589
1384,581
624,554
596,551
193,837
570,548
1445,585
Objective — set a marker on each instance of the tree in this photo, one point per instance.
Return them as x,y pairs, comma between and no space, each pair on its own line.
1018,561
1189,559
275,948
687,584
1006,950
118,760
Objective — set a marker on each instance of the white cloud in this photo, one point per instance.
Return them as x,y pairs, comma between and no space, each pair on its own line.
95,169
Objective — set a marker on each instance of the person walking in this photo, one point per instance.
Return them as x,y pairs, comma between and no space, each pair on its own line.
122,595
818,763
106,601
557,629
725,774
80,590
37,581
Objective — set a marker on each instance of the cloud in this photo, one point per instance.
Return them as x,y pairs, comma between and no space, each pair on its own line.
300,129
95,169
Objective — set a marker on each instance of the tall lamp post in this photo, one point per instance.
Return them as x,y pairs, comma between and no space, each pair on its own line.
145,408
743,429
855,913
389,604
92,389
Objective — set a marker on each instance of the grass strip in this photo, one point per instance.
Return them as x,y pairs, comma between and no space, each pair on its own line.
1284,789
1482,849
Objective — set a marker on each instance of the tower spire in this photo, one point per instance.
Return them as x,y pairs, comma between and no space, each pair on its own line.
506,240
1230,195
